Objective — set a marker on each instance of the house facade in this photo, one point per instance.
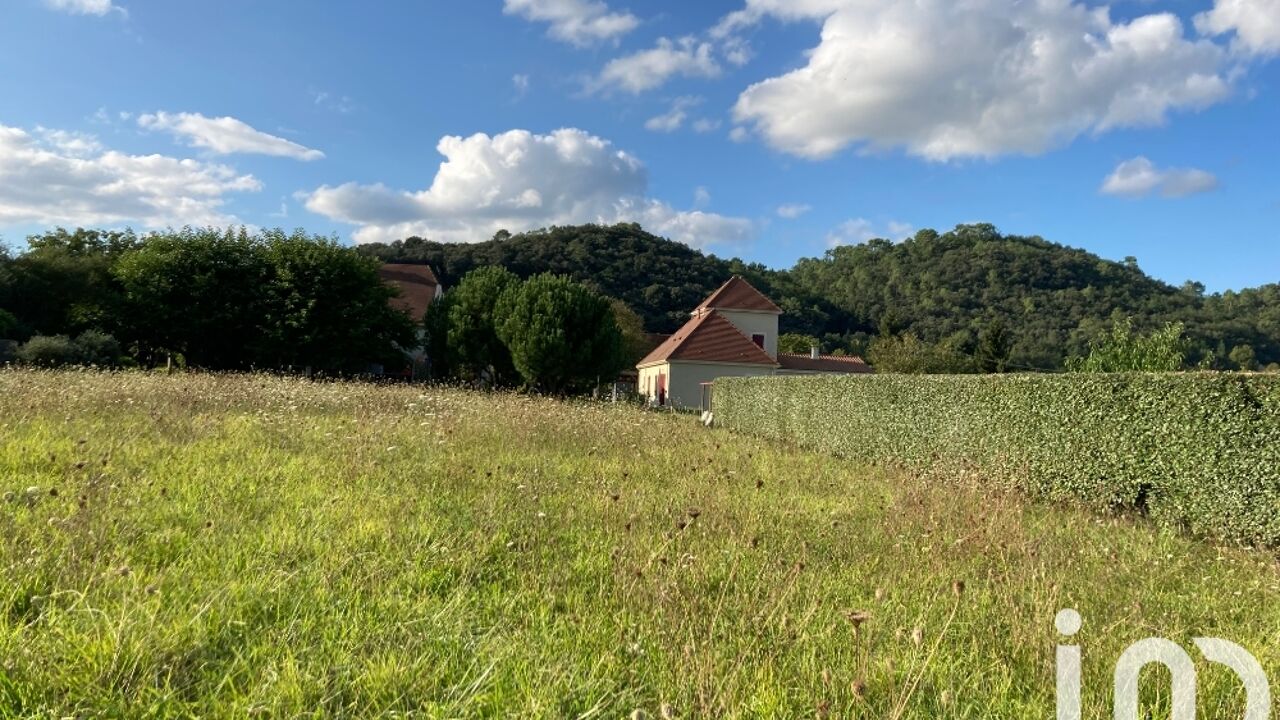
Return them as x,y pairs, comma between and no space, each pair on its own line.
733,333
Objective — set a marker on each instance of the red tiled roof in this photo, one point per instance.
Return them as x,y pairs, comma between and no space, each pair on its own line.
417,285
709,337
737,294
823,363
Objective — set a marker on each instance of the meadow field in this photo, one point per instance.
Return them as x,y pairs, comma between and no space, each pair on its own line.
250,546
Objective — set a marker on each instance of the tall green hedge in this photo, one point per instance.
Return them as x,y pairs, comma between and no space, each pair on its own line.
1197,451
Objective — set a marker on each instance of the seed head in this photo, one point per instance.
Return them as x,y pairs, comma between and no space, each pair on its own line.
917,635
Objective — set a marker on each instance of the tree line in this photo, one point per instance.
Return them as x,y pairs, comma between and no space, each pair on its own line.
219,300
967,300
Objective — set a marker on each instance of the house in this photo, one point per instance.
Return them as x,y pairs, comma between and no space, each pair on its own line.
734,332
418,287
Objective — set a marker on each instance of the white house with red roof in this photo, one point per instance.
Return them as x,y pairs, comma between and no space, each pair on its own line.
734,332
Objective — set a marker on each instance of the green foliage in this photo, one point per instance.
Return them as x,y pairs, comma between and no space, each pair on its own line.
326,306
908,354
200,293
1164,350
8,324
796,343
1199,452
89,348
994,348
562,336
475,350
635,343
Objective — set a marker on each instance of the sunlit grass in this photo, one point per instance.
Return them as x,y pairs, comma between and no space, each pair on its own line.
237,546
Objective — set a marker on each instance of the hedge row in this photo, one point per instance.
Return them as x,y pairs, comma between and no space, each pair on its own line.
1199,452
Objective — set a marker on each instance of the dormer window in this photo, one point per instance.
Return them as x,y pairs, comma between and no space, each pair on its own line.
758,339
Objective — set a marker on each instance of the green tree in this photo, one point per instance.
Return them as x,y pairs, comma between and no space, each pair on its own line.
476,352
327,308
908,354
563,337
200,293
635,343
1244,358
994,347
796,343
435,328
1124,350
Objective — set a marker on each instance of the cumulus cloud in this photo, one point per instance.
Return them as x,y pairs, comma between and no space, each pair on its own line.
518,180
1140,177
648,69
578,22
706,125
84,7
52,177
860,230
673,119
225,135
791,211
1256,24
975,79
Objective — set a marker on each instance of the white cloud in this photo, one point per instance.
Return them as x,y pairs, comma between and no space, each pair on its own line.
648,69
578,22
1139,177
701,197
706,125
860,230
739,134
981,78
673,119
520,181
791,211
85,7
1256,24
225,135
57,177
520,82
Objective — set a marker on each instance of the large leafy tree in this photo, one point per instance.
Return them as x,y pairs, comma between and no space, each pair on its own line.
326,306
63,283
476,352
200,293
562,336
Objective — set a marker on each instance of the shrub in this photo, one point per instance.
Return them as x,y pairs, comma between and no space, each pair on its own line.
1199,452
49,351
89,348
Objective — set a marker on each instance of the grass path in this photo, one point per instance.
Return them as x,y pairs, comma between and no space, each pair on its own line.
249,546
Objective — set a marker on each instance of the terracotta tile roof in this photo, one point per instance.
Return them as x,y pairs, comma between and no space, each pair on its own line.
737,294
709,337
417,286
823,363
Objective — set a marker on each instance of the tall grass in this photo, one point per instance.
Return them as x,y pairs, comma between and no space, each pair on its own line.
223,546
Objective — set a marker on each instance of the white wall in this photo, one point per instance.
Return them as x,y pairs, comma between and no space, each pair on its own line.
755,322
684,379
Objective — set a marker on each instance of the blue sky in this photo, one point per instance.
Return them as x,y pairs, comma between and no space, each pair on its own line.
766,129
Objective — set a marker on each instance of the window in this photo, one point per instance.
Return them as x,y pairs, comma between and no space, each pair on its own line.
758,339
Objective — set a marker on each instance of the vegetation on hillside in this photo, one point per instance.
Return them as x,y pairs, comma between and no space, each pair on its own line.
1048,301
250,546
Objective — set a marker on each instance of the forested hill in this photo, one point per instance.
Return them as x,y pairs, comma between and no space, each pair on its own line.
943,288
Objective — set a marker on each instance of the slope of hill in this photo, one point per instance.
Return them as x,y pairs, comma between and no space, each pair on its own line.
942,287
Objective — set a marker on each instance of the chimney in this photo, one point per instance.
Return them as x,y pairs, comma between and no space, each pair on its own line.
813,351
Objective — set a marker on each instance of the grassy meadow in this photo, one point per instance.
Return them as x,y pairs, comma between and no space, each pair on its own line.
246,546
